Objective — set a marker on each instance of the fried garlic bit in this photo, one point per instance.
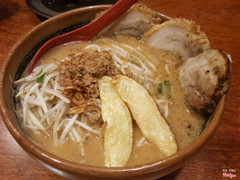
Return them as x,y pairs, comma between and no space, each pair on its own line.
144,110
118,131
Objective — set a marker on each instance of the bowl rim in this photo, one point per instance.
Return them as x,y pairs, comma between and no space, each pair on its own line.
59,163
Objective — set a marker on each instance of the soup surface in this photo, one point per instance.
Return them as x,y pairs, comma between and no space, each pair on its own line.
154,69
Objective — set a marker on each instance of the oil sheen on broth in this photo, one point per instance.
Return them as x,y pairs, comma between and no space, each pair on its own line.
184,123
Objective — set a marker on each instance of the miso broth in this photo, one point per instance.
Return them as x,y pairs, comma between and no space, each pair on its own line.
160,66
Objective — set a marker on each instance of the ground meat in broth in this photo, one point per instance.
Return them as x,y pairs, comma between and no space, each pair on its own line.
81,72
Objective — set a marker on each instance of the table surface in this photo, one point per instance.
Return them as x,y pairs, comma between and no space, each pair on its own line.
219,19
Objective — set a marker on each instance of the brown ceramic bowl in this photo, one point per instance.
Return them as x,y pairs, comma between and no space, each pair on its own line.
17,61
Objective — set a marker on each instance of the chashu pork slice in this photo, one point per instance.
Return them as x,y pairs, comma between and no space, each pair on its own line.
205,79
178,35
135,22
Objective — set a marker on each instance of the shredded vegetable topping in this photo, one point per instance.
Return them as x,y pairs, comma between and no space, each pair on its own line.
46,109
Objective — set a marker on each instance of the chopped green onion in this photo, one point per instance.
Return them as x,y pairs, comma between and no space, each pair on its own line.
40,78
160,88
168,88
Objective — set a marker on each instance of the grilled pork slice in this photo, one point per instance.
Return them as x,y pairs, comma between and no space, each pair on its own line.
205,79
179,36
135,22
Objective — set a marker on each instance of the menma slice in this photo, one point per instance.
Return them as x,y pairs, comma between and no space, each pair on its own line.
118,131
144,110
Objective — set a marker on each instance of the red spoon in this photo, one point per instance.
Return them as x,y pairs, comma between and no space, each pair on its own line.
86,32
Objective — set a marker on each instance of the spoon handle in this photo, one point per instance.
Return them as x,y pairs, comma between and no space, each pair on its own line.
86,32
92,29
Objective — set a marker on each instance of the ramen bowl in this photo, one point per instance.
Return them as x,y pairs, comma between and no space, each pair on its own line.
14,65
